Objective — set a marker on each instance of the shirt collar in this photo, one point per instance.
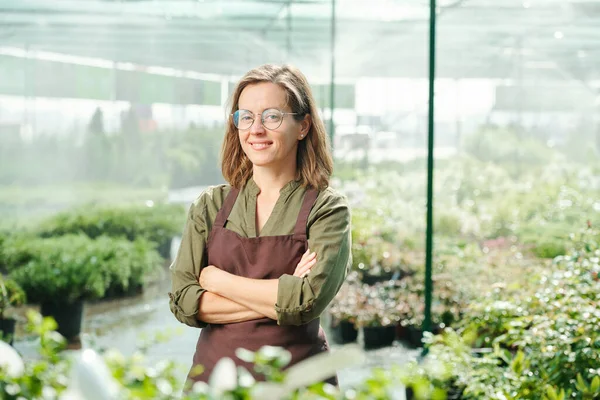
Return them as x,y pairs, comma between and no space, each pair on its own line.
253,188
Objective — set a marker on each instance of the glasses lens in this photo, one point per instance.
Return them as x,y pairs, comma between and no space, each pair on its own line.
243,119
272,118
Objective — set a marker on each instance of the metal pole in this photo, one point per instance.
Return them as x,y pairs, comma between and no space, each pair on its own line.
332,87
429,237
288,47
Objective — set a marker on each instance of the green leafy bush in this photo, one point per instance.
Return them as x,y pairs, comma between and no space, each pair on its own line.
158,223
75,267
544,337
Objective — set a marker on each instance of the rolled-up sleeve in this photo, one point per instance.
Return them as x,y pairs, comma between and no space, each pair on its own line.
301,300
185,292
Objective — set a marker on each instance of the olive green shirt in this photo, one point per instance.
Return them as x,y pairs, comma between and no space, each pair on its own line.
299,300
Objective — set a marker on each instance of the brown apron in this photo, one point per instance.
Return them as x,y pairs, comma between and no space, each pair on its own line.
263,257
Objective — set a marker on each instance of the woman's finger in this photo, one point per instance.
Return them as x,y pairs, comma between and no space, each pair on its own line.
305,259
301,269
306,256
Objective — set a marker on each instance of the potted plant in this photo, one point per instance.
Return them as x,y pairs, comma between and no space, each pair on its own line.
60,275
377,315
378,260
11,295
343,310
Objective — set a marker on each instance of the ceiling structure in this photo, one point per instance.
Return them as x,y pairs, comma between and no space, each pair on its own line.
504,39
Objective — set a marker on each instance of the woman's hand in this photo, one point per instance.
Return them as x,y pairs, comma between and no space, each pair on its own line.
306,263
209,276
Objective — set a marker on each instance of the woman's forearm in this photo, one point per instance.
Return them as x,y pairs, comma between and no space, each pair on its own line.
215,309
259,295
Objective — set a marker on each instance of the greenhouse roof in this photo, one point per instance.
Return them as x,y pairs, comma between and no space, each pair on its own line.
506,39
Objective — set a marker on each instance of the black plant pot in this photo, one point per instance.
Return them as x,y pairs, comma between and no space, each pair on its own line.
114,292
67,316
7,330
344,332
453,391
402,333
373,279
378,336
415,336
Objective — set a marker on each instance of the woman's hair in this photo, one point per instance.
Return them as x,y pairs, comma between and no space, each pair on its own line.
314,164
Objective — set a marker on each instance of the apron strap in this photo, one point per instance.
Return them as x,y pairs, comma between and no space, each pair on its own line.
225,210
309,199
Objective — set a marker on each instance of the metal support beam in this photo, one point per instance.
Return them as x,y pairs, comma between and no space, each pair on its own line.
332,88
288,36
431,126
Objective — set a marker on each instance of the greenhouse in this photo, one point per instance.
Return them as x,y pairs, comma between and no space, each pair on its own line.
446,174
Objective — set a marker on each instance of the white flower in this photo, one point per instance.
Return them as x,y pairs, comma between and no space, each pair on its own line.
90,379
312,370
11,361
323,366
224,376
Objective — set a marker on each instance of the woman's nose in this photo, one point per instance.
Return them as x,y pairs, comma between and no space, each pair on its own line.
257,127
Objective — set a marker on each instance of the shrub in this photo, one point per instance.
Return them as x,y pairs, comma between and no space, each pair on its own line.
158,223
75,267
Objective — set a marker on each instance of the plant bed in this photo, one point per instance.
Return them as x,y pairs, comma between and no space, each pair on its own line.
378,336
157,224
75,266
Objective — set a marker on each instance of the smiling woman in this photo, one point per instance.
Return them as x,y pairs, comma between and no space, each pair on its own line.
263,256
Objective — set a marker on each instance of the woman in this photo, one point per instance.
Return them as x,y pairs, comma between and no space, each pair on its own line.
262,257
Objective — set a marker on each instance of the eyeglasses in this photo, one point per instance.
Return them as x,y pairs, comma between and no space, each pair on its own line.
270,118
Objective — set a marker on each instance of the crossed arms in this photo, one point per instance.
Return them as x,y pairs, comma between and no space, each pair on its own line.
230,298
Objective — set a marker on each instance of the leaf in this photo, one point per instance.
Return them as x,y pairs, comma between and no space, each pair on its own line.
551,393
581,385
595,384
517,364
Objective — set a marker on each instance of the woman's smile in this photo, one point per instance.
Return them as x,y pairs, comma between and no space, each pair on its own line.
259,145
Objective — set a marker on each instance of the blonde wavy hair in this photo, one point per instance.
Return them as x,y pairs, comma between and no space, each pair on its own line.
314,161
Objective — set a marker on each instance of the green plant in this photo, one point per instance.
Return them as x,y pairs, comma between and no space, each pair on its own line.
544,338
45,376
157,223
75,267
11,295
53,375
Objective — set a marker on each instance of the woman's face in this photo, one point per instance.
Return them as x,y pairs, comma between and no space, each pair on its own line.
265,147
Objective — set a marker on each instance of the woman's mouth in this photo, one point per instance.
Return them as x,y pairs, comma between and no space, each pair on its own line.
260,145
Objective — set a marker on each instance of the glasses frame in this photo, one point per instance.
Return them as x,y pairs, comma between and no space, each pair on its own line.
262,120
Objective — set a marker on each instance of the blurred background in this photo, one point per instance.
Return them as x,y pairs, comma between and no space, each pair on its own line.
112,114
